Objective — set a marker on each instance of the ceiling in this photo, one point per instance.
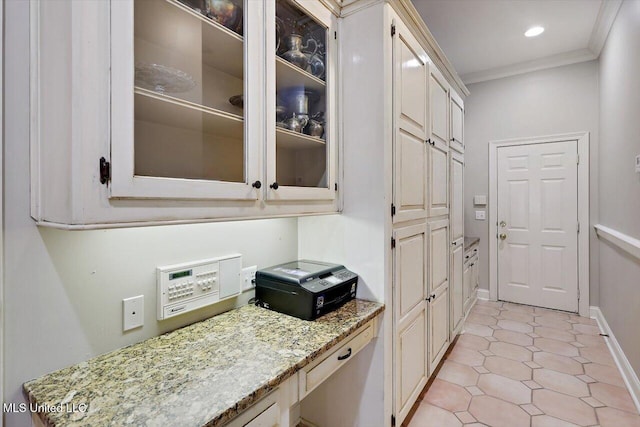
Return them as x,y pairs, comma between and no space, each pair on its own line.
484,39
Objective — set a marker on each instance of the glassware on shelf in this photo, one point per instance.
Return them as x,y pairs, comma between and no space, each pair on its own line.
162,79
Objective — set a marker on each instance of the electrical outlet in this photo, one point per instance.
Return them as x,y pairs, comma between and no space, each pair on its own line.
480,215
132,312
249,277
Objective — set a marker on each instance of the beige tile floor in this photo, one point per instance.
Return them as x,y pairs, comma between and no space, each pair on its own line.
517,365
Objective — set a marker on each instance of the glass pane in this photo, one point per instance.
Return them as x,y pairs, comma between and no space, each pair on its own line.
189,118
301,98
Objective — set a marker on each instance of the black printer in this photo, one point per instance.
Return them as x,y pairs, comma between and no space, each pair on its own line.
305,289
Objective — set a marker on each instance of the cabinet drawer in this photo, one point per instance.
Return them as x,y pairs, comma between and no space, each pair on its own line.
311,377
471,260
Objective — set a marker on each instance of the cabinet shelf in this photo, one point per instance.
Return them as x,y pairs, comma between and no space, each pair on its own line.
286,138
160,22
288,75
173,112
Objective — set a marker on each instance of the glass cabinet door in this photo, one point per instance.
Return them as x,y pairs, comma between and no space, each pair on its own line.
301,164
189,89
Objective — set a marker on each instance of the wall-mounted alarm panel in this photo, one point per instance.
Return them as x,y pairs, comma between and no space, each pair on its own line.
192,285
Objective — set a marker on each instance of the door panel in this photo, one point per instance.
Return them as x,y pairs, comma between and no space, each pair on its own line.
438,327
439,97
456,290
438,194
410,110
410,315
411,184
438,254
538,217
412,85
457,197
411,361
410,274
457,124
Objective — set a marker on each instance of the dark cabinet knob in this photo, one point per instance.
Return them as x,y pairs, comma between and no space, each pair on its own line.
274,186
257,184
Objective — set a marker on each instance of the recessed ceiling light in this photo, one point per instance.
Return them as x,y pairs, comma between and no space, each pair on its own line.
534,31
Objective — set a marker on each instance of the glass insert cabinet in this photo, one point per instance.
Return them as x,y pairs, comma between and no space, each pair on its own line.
223,100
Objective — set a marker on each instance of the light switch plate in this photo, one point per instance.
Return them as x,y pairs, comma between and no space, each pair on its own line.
132,312
480,200
480,215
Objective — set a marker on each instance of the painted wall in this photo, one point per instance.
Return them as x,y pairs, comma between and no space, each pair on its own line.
63,290
553,101
619,184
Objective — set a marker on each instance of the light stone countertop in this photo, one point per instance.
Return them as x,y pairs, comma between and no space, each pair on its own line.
469,242
200,375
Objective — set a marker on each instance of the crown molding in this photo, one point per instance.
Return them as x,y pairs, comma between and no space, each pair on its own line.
414,21
566,58
410,16
606,16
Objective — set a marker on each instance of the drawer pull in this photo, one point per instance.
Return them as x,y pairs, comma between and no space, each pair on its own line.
346,356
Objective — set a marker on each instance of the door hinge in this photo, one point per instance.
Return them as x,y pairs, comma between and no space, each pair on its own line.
105,171
578,227
393,420
578,159
578,294
335,35
393,209
393,243
393,30
335,186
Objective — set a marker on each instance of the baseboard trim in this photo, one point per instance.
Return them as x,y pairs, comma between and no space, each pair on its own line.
483,294
628,375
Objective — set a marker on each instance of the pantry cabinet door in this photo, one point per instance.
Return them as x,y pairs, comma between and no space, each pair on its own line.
410,77
438,293
457,122
301,114
438,178
438,327
438,190
185,110
456,288
439,106
467,284
456,213
410,316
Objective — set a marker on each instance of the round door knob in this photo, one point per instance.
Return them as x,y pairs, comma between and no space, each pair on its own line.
274,186
503,236
256,184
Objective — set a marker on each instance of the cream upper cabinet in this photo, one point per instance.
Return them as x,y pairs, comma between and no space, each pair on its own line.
301,120
410,76
438,163
177,131
439,103
410,315
457,123
182,110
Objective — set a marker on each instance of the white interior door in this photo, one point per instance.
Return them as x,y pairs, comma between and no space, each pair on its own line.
538,225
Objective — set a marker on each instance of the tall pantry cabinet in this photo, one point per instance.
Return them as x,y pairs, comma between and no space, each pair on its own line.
395,228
